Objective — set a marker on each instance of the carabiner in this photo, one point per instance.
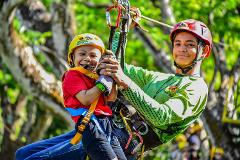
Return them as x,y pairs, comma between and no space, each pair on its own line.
142,129
130,139
108,15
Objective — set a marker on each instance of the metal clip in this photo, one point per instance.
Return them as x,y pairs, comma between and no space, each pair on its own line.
130,139
142,129
108,15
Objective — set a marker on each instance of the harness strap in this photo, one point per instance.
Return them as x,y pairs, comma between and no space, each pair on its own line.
85,72
83,112
112,32
78,136
131,135
87,113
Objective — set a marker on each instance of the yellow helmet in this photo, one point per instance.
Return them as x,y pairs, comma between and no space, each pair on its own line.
83,40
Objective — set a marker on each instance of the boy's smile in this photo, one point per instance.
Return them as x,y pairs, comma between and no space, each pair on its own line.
86,56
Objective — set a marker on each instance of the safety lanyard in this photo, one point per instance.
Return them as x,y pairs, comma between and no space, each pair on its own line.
123,19
78,136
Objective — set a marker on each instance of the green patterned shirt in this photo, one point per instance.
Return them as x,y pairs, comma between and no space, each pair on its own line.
168,102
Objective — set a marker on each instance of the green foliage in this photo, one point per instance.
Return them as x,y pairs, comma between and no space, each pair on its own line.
159,153
57,128
222,17
216,14
9,85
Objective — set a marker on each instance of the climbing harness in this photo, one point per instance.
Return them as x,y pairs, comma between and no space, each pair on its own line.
78,136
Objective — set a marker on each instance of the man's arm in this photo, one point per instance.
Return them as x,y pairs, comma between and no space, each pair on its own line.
160,107
168,111
167,102
139,75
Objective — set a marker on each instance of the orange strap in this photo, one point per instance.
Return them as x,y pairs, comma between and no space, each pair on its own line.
78,136
86,72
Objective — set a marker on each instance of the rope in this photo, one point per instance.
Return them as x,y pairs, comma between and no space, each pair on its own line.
164,24
155,21
145,17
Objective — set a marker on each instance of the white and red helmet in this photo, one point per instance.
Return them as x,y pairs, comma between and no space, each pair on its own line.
197,28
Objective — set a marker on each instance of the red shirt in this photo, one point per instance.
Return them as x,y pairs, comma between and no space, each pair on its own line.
73,82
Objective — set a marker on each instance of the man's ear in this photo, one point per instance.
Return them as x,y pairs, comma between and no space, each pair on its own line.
206,51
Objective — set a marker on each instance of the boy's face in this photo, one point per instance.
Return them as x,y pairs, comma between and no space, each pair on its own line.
86,56
184,49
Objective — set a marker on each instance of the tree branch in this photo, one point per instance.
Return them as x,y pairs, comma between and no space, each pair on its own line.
216,68
160,57
166,13
31,118
28,72
41,127
62,31
8,7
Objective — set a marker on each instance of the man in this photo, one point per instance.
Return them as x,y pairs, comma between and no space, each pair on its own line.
169,103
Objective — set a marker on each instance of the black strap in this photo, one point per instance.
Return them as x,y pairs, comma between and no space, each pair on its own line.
112,32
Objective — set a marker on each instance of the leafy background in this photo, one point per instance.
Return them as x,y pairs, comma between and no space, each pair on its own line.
222,17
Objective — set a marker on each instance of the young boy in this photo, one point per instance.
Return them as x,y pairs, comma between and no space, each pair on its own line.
81,87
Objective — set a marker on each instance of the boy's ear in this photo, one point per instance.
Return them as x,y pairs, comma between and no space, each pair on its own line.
206,51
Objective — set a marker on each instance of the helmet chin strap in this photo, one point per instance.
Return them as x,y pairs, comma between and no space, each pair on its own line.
194,62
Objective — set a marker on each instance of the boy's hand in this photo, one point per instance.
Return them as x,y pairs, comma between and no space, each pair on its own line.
104,83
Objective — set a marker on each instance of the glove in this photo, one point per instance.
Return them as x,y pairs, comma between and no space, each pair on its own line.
104,83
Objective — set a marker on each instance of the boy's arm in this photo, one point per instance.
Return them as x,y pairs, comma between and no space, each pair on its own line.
87,97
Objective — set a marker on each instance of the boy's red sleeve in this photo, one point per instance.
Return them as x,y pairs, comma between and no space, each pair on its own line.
73,82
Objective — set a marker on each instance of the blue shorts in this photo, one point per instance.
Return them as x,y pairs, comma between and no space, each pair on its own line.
100,142
59,147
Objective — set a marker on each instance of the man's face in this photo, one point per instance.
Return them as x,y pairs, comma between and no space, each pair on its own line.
184,49
86,56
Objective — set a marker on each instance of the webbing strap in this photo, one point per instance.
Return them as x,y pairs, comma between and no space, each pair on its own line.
78,136
83,112
85,72
78,112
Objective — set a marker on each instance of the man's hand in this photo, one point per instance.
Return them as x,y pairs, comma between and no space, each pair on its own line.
109,66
